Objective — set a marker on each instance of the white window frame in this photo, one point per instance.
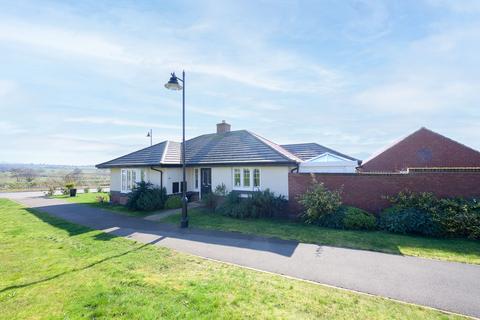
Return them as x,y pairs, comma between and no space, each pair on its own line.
196,178
126,182
251,187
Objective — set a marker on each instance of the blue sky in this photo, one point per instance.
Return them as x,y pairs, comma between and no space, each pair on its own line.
82,81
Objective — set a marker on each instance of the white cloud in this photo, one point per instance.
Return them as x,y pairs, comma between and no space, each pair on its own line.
120,122
265,67
8,128
64,41
438,73
461,6
6,87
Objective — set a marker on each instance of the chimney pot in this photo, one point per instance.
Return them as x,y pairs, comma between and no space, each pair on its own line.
223,127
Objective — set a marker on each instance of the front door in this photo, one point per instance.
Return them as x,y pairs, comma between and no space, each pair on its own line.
205,181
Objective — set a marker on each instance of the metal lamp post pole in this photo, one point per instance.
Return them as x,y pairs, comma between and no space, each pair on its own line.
173,84
184,222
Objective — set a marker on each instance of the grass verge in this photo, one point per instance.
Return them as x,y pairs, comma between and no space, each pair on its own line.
52,269
459,250
91,200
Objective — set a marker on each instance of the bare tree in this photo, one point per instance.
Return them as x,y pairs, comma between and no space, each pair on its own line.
23,174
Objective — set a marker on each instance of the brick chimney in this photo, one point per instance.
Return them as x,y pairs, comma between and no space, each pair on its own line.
223,127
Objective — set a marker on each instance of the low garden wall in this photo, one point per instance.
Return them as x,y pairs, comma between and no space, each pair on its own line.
368,191
116,197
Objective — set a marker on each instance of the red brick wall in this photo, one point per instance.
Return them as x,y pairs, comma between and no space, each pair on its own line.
117,197
423,148
367,191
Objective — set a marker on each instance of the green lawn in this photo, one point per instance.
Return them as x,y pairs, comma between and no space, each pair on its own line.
91,200
459,250
52,269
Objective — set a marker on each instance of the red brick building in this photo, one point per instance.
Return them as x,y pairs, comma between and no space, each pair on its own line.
423,149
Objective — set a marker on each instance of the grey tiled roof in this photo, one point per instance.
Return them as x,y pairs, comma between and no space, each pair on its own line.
307,151
217,148
148,156
235,146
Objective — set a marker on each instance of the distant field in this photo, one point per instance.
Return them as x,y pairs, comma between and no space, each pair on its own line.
18,177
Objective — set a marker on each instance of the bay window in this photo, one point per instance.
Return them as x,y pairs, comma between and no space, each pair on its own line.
130,178
246,178
256,178
237,179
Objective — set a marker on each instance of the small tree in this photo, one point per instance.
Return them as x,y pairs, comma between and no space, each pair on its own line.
319,202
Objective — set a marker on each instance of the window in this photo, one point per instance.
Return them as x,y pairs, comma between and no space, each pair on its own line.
237,179
196,179
175,188
243,177
130,178
246,178
256,178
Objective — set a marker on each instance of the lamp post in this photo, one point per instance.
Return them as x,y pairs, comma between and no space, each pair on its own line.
150,135
173,84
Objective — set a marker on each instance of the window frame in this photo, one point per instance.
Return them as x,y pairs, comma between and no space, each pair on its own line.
196,178
127,177
235,178
173,187
242,171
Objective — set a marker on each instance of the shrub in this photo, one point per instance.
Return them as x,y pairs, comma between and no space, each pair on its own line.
424,214
221,190
99,189
358,219
210,200
101,199
265,204
409,220
145,197
319,202
213,199
260,204
459,217
173,202
424,201
86,190
333,220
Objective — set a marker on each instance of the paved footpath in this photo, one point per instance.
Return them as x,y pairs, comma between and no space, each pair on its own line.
445,285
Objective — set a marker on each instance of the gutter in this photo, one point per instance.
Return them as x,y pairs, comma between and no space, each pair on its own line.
161,176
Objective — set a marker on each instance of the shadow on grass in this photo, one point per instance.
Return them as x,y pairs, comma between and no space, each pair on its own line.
134,227
377,241
88,266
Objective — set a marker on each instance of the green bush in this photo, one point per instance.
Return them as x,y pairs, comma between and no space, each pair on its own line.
409,220
213,199
319,202
210,200
358,219
145,197
459,217
69,185
424,214
333,220
260,204
85,190
221,190
173,202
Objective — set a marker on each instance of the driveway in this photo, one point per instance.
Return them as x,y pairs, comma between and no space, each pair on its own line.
448,286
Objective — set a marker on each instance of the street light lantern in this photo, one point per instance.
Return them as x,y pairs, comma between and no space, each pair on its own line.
173,84
150,135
